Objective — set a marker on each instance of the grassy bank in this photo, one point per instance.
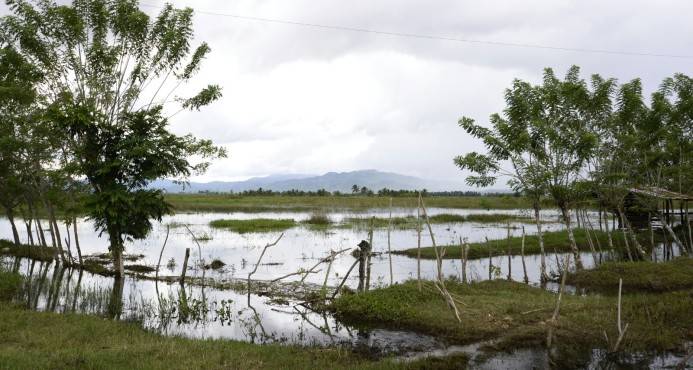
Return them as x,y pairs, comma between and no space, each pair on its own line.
46,340
40,340
555,240
637,276
254,225
515,314
230,202
410,222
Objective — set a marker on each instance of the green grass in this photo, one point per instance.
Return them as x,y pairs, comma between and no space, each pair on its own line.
410,222
254,225
637,276
555,240
46,340
10,285
39,253
230,202
41,340
515,315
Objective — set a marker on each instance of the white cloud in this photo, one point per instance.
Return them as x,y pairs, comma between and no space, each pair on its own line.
311,100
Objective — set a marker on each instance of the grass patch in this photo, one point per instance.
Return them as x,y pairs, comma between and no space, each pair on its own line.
254,225
410,222
43,340
554,240
142,269
515,314
232,202
35,252
215,264
10,285
497,218
318,219
637,276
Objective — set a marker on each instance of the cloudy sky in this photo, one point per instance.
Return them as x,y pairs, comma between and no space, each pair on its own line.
303,99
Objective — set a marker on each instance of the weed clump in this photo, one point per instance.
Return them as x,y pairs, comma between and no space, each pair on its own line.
254,225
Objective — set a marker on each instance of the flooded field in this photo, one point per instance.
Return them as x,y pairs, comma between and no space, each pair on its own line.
302,246
206,312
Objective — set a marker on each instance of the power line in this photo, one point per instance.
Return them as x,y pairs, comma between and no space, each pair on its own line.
435,37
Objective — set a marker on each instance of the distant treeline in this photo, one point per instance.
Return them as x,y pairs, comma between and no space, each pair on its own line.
362,191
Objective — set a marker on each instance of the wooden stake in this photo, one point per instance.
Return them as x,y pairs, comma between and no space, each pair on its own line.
369,254
389,250
522,253
345,278
185,266
418,245
260,259
510,269
158,264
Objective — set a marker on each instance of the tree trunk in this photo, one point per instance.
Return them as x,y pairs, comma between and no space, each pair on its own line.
608,234
29,232
117,251
74,231
56,231
10,216
543,276
573,245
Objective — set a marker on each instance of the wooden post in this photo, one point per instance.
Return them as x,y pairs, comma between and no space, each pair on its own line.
389,251
185,266
522,253
510,269
368,255
158,264
339,287
418,245
490,262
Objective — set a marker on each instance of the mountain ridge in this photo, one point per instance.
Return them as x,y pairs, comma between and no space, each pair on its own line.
330,181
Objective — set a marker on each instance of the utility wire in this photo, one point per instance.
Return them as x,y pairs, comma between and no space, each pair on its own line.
435,37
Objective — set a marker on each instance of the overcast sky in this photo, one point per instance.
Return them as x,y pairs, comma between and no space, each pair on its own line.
310,100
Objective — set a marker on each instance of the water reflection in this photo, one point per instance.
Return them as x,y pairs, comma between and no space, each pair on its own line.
197,312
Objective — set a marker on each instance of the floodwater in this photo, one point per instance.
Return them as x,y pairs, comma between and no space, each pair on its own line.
302,246
199,312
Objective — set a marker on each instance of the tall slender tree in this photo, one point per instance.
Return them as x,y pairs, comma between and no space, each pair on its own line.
111,73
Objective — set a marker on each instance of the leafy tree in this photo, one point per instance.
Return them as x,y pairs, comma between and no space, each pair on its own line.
110,75
509,153
354,189
17,101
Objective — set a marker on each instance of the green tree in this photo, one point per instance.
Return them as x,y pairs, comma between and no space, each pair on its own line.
110,75
17,103
509,153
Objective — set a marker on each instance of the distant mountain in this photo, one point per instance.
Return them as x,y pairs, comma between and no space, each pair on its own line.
331,181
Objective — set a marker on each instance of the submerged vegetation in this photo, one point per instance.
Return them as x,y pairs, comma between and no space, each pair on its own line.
553,241
254,225
219,202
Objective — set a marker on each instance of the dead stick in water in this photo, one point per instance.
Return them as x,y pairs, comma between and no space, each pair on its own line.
158,264
418,245
312,269
433,239
463,260
510,269
554,319
389,251
260,259
490,262
522,253
345,278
